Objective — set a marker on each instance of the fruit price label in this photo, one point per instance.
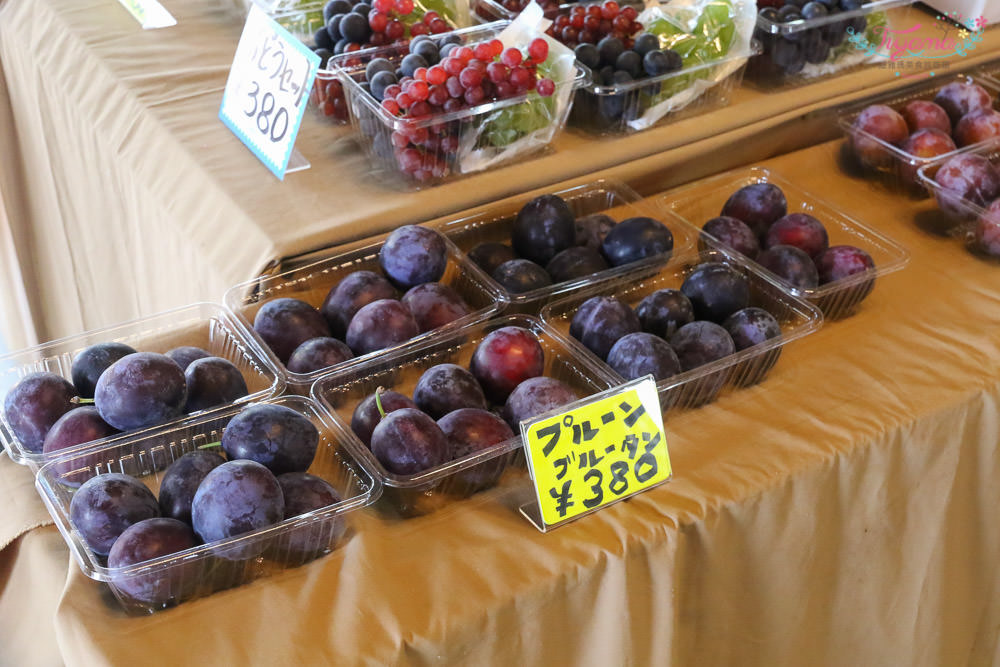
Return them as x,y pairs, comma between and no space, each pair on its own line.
149,13
596,452
267,89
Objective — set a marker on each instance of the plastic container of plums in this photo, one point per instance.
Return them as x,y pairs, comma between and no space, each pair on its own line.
312,283
703,200
205,325
896,165
607,197
703,384
424,492
201,570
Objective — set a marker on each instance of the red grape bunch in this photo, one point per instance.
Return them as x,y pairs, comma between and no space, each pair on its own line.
591,23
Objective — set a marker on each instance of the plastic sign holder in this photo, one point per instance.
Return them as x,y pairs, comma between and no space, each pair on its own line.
266,93
149,13
595,452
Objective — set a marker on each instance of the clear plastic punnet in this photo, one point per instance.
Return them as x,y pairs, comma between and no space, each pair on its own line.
892,164
703,200
313,282
205,325
500,465
608,197
162,582
701,385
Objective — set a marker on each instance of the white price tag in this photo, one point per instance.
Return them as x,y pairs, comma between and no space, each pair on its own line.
149,13
268,86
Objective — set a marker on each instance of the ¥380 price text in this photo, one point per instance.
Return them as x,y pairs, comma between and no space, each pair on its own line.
279,75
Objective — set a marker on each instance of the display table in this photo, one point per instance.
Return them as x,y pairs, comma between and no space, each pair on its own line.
842,512
126,196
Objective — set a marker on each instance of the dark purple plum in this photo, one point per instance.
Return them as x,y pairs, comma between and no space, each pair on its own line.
758,205
986,232
637,238
488,256
317,353
926,143
181,481
521,275
76,427
94,360
591,230
184,355
976,127
105,505
536,396
379,325
960,97
275,436
286,323
236,498
700,343
413,255
366,415
504,359
213,381
304,493
470,431
924,115
146,540
842,261
543,228
347,297
601,321
140,390
435,305
35,403
751,326
408,441
575,262
800,230
716,291
969,177
664,311
791,265
731,233
447,387
639,354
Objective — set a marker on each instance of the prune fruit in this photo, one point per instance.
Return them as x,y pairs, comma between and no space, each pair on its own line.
94,360
275,436
470,431
601,321
407,441
447,387
146,540
876,123
716,291
305,493
35,403
213,381
591,229
543,227
435,305
356,290
184,355
367,416
140,390
536,396
732,233
181,481
664,311
751,326
317,353
959,98
700,343
800,230
379,325
923,143
791,265
236,498
966,176
76,427
842,261
977,126
636,238
286,323
575,262
986,232
488,256
413,255
640,354
504,359
924,115
105,505
521,275
758,205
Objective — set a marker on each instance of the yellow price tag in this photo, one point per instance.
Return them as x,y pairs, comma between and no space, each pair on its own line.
597,451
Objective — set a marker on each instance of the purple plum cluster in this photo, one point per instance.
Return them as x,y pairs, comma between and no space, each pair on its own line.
970,188
205,497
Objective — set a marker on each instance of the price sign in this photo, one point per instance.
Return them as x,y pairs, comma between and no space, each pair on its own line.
267,89
597,451
149,13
